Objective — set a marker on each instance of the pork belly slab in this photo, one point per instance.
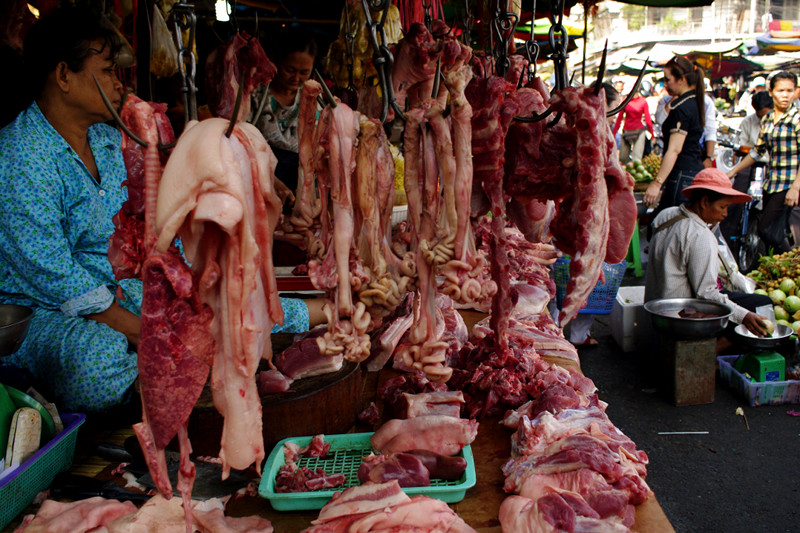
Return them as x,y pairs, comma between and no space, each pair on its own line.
444,435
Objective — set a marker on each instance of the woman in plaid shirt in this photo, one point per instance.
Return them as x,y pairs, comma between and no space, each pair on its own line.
780,136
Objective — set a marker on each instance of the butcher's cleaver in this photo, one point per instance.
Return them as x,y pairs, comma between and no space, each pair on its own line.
208,483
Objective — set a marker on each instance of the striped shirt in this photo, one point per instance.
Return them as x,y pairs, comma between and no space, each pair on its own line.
781,138
684,261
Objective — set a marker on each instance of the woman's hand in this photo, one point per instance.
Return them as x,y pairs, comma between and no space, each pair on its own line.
651,194
121,320
284,193
792,196
755,324
546,254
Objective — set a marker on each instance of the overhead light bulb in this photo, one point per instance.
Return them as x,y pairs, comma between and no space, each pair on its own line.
221,10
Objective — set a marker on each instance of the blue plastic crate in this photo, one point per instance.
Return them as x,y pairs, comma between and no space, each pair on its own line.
601,299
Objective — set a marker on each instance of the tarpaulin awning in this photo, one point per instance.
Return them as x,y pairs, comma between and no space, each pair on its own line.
633,66
669,3
768,43
718,66
541,30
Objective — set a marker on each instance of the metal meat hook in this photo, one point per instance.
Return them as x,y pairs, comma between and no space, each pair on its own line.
601,72
382,58
331,101
630,96
121,124
236,107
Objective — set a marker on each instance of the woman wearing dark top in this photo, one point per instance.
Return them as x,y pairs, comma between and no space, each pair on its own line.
683,128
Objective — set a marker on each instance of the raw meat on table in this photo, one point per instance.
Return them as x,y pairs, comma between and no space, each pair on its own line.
444,435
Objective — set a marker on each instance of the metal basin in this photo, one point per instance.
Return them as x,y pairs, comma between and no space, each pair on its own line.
664,314
14,322
780,334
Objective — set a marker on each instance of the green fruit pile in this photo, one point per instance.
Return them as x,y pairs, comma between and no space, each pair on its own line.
652,162
638,171
778,276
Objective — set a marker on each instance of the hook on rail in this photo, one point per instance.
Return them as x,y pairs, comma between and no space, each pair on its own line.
118,120
329,98
630,96
601,71
382,58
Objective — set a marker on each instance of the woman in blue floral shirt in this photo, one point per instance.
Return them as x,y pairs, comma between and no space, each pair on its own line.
61,174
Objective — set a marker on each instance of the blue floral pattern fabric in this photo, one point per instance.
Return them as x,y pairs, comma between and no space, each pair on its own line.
295,316
55,221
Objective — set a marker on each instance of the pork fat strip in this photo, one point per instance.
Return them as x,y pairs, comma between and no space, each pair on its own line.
217,194
385,507
341,272
306,206
360,500
240,61
425,350
374,187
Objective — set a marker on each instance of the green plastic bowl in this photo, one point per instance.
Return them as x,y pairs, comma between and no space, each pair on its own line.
21,399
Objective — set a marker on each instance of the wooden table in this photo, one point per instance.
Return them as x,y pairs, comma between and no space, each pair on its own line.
479,508
481,505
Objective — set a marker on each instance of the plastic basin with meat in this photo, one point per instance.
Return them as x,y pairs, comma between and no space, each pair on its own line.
688,318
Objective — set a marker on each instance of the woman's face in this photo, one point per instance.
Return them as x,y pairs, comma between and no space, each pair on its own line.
85,95
294,70
672,84
782,93
713,213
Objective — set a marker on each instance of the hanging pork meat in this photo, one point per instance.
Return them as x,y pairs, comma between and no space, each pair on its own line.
240,61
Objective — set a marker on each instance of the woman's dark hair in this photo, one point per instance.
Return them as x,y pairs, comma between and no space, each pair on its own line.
611,93
782,75
761,100
699,194
63,35
296,39
680,67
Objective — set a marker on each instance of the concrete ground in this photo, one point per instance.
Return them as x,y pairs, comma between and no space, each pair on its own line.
730,480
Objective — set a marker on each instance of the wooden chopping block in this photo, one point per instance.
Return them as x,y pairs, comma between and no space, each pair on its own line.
319,404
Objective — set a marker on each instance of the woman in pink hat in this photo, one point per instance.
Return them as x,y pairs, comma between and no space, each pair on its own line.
683,260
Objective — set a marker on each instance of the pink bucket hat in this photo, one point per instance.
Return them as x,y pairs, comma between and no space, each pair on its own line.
713,179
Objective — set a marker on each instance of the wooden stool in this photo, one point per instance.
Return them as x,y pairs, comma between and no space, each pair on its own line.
634,257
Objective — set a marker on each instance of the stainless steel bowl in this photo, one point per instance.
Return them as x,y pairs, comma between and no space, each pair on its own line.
664,314
780,334
14,322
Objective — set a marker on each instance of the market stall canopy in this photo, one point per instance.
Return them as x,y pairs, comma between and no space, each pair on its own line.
724,59
541,30
769,42
632,67
669,3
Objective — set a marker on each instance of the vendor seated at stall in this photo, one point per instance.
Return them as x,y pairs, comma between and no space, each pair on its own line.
684,259
294,58
61,175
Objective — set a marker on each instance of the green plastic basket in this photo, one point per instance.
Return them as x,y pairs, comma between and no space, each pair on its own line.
19,487
345,456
